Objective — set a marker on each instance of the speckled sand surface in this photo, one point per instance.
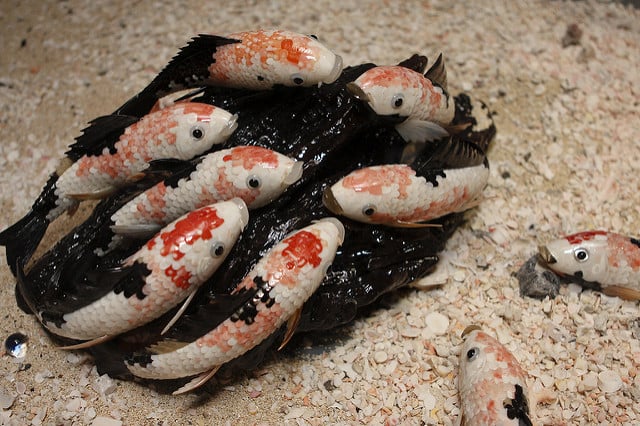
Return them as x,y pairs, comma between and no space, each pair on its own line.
565,159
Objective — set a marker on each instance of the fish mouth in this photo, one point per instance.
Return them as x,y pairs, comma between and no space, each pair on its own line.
338,225
294,174
469,329
335,71
546,255
357,92
244,211
330,202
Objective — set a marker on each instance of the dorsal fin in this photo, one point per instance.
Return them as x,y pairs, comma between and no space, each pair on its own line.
438,74
102,132
417,63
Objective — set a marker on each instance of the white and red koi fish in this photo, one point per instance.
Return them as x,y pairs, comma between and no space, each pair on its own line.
276,288
168,269
492,384
254,174
603,260
255,60
419,103
395,195
109,154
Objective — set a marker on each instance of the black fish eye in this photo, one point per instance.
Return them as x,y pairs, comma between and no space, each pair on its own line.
472,354
217,249
197,133
254,182
397,100
297,79
581,254
369,210
313,36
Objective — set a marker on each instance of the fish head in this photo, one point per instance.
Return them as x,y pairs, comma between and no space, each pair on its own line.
199,127
369,195
200,240
261,175
483,358
583,255
392,92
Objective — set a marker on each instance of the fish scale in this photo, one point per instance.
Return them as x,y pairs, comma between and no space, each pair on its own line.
288,276
219,176
184,245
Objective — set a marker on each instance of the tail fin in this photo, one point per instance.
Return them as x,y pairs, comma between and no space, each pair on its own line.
22,238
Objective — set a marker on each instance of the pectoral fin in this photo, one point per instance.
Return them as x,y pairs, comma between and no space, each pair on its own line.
413,130
94,195
292,324
87,344
625,293
197,381
179,313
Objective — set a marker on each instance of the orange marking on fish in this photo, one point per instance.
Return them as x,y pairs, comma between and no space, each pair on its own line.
195,226
373,180
179,277
251,156
584,236
305,248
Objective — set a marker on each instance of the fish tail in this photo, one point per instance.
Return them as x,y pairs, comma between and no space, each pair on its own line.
23,237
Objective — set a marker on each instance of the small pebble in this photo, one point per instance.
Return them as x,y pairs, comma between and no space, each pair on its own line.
572,36
437,323
609,381
537,282
380,357
105,421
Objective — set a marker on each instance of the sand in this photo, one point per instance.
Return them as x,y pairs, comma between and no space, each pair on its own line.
565,159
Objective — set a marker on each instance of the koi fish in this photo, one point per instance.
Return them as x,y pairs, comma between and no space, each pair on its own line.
396,195
602,260
420,104
109,154
168,269
254,174
274,292
492,384
254,60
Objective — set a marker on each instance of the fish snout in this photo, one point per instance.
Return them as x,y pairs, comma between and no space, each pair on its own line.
358,93
335,71
469,329
546,255
330,202
294,174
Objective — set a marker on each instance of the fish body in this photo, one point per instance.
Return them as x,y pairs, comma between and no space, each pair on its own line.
278,286
108,155
395,195
254,174
254,60
491,382
421,106
608,261
165,271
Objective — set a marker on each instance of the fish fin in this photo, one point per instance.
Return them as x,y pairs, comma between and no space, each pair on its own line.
417,63
127,279
413,130
292,324
169,167
453,129
179,313
102,132
437,74
87,344
136,231
197,381
166,346
23,238
625,293
94,195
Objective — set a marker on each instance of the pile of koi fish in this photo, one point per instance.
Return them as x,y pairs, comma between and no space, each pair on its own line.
256,188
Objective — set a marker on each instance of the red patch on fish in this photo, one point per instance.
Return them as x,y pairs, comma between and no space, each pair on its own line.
251,156
195,226
179,277
583,236
390,76
623,250
373,179
304,248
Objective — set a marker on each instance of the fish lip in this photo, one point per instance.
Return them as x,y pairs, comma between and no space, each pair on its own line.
295,174
469,329
244,211
357,92
338,225
330,202
546,255
335,71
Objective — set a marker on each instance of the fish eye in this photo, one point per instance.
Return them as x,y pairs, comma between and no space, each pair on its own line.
297,79
313,36
217,249
197,133
397,100
581,254
254,182
369,210
473,354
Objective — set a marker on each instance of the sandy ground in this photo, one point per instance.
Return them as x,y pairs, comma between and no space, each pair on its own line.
565,159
